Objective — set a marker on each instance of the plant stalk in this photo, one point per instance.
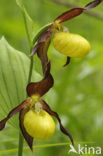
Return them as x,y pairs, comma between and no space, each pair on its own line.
21,139
31,43
20,147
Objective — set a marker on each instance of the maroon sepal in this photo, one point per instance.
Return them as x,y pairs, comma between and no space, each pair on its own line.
69,14
76,11
48,109
40,87
67,61
92,4
13,112
27,137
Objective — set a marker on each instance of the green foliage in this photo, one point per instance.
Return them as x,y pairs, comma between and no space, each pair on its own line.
30,26
77,95
14,69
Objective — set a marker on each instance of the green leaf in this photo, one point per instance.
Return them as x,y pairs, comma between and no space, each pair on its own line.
31,30
29,23
14,69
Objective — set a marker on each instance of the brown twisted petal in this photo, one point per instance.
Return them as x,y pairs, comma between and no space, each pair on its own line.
93,4
40,87
48,109
42,51
67,61
47,71
69,15
76,11
13,112
41,48
27,137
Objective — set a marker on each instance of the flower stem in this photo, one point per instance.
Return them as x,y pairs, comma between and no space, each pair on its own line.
21,139
20,147
31,43
30,70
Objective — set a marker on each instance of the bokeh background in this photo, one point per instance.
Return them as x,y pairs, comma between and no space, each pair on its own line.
77,94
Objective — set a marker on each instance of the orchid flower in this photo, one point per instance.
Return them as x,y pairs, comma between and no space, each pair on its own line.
41,47
34,103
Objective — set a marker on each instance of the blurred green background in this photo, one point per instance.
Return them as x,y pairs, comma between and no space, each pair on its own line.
77,94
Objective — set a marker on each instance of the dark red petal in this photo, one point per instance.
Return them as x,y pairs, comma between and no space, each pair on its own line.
42,47
42,54
27,137
40,87
92,4
69,14
13,112
67,62
76,11
47,71
48,109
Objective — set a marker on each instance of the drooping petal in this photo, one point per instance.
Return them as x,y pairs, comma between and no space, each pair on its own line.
41,87
13,112
48,109
47,71
67,61
41,48
27,137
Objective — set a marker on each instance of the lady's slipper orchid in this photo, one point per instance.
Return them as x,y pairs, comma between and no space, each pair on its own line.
44,40
35,114
72,45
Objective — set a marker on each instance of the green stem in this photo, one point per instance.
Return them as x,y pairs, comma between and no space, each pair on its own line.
28,37
30,70
21,139
31,43
20,147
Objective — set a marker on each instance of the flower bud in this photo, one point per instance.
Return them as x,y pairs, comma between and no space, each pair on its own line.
72,45
39,126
